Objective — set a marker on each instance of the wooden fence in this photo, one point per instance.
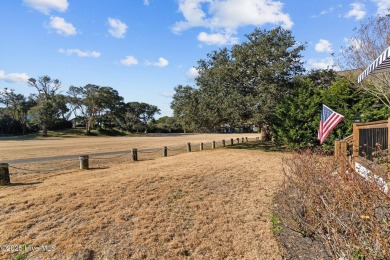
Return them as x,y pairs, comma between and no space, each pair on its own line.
360,151
103,160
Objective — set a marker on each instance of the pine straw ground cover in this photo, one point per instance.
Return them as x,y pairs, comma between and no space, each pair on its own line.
203,205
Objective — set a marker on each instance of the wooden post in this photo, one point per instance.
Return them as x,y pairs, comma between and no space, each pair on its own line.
223,143
343,156
188,147
388,135
355,147
213,145
134,154
337,149
201,147
84,162
343,148
4,174
238,140
246,139
231,141
165,151
242,139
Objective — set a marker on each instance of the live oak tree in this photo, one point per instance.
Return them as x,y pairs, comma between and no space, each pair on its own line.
97,104
48,104
267,63
241,86
137,115
13,116
185,106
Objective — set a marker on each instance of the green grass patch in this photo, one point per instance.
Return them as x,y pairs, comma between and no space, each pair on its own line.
276,228
258,145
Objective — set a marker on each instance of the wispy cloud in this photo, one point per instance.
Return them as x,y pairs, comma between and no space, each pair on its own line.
61,26
160,63
224,17
217,39
14,77
326,63
358,11
328,11
117,28
167,94
46,6
353,43
129,61
192,74
323,46
80,53
146,2
383,6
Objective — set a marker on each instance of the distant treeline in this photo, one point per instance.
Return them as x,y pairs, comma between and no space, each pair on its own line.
91,107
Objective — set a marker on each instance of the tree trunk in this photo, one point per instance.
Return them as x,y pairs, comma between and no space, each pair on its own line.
44,130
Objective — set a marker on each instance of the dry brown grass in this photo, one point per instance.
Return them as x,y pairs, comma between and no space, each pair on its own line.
207,205
57,146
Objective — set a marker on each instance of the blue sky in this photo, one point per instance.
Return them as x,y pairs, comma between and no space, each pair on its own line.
144,48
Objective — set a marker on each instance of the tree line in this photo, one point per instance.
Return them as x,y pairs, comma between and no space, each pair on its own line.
262,83
91,106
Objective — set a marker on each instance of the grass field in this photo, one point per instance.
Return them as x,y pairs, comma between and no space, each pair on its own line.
203,205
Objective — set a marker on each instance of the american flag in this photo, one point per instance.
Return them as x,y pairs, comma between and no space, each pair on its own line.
329,120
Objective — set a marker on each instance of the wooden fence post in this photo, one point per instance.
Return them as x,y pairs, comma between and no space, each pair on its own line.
238,140
188,147
201,147
84,162
242,140
165,151
388,135
4,174
355,147
337,149
246,139
231,141
134,154
213,145
223,143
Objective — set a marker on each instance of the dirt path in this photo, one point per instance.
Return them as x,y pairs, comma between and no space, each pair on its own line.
205,205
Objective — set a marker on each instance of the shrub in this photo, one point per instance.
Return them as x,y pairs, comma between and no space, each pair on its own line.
349,214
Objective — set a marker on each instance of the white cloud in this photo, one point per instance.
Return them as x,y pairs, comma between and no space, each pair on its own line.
160,63
167,94
358,11
323,46
327,11
14,77
146,2
217,39
326,63
80,53
192,74
129,61
383,6
61,26
224,17
45,6
356,44
117,28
